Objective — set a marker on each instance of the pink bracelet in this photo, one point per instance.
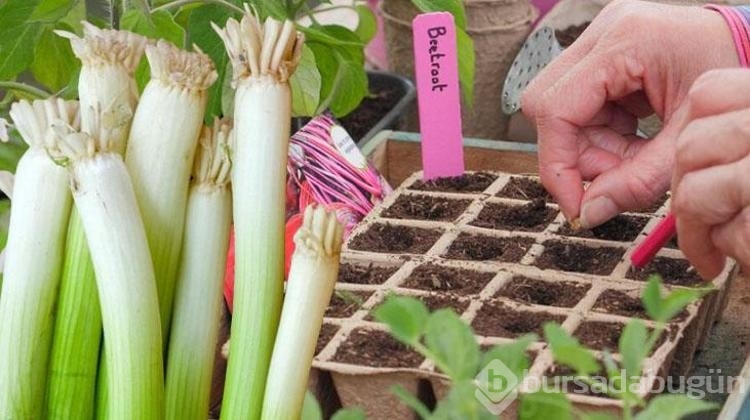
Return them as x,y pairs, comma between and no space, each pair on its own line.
739,28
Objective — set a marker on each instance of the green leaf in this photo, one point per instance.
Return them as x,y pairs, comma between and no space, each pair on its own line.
598,416
310,408
567,351
274,8
349,414
305,84
662,309
351,86
545,405
452,344
513,355
461,403
54,63
367,27
14,14
11,152
159,24
52,10
406,317
674,407
633,348
202,34
411,401
17,51
142,74
466,63
455,7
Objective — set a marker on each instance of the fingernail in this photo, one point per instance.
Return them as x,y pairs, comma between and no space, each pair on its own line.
598,211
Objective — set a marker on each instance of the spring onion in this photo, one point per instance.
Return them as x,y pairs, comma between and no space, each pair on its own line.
33,261
106,81
116,236
263,56
313,273
160,153
198,299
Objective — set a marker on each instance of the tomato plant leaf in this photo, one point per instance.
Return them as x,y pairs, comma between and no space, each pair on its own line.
452,344
367,26
17,51
548,405
567,351
159,24
633,348
405,316
51,11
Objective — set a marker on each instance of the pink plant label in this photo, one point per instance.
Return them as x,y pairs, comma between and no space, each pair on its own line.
438,94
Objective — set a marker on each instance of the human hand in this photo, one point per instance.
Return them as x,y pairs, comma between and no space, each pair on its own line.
710,186
636,58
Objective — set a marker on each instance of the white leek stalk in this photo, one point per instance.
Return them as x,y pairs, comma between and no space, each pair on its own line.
263,55
105,199
198,299
106,85
160,154
33,261
315,266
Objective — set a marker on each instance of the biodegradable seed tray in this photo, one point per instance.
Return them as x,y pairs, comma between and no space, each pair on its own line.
496,249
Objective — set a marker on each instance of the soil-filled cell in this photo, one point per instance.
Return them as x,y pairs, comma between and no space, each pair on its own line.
424,207
617,302
486,248
395,239
496,319
620,228
468,183
599,335
436,301
672,271
327,331
439,278
525,189
376,348
565,379
564,294
364,274
344,303
532,217
579,258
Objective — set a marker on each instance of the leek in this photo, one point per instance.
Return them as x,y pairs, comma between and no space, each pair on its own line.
105,199
160,152
198,299
109,59
263,56
312,275
36,237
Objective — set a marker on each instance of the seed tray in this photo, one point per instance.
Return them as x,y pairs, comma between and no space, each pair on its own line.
357,362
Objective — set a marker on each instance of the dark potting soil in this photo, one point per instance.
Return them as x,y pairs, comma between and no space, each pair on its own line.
344,303
533,216
327,331
564,294
599,335
653,207
568,35
372,109
496,319
395,239
672,243
483,248
364,274
565,379
438,278
423,207
377,349
672,271
468,183
568,256
525,189
620,303
620,228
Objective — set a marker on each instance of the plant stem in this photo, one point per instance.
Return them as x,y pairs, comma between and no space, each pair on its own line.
178,3
34,91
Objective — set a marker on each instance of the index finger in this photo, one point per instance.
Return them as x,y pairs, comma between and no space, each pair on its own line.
569,104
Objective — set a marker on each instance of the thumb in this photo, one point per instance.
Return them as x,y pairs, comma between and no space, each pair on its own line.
635,183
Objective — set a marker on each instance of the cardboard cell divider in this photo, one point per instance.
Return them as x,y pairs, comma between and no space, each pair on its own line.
368,386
